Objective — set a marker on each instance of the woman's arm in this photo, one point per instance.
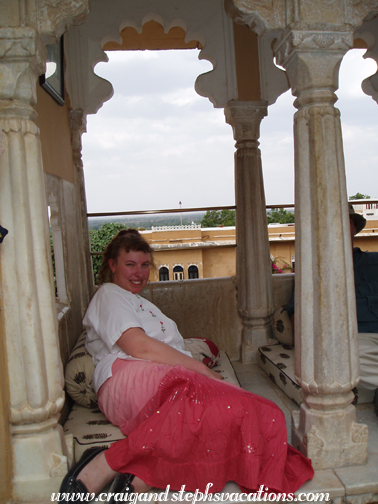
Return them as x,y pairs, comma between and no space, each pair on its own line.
136,343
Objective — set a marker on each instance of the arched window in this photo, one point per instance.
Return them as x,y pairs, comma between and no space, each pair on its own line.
178,273
192,272
163,274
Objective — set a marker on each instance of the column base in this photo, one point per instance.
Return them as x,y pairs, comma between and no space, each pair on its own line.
330,438
40,461
254,336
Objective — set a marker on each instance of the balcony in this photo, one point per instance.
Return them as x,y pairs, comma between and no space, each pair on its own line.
208,308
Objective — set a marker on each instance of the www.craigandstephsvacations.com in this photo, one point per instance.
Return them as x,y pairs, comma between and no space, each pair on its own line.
263,495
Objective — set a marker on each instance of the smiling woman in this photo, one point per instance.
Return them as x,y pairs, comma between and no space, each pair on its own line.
176,412
127,261
131,270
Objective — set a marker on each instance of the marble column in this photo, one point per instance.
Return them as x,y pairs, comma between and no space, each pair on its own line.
29,320
253,267
326,350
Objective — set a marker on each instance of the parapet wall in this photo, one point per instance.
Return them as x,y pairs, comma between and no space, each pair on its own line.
207,308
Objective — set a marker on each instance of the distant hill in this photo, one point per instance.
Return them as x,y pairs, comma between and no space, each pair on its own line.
147,221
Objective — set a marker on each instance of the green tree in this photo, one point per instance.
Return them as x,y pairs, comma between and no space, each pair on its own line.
218,218
359,196
280,216
99,240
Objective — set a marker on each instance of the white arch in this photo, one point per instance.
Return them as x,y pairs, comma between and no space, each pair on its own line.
84,43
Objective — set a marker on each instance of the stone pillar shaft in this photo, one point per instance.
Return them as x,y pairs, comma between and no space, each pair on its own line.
78,127
27,289
253,268
326,351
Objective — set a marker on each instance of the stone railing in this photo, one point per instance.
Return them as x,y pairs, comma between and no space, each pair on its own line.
176,228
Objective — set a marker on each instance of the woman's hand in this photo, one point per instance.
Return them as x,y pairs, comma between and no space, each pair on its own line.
136,343
213,374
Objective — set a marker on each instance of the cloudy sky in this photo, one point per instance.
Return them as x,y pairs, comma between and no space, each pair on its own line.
157,142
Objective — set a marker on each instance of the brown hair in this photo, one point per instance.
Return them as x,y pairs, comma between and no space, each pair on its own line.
127,239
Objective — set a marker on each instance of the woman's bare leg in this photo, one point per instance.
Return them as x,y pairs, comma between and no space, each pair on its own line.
140,486
97,474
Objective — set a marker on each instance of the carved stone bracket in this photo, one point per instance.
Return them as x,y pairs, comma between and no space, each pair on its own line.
369,33
261,16
267,16
55,16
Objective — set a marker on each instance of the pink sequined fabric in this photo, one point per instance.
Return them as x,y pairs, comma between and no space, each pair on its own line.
186,429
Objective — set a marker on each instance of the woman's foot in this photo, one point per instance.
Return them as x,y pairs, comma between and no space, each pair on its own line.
125,483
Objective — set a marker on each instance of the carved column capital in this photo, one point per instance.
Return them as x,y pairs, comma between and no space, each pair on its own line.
245,119
297,41
311,59
22,59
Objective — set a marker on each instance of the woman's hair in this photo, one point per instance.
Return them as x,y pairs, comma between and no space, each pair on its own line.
127,239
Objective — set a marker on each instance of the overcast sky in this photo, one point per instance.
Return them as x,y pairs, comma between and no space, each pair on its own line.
157,142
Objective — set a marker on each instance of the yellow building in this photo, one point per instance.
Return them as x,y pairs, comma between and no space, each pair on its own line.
189,252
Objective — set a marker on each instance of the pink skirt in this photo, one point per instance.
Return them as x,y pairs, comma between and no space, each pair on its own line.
185,429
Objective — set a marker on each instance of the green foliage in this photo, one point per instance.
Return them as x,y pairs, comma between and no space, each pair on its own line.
359,196
218,218
280,216
147,221
99,240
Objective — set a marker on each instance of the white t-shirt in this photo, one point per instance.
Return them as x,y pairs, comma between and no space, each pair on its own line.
110,313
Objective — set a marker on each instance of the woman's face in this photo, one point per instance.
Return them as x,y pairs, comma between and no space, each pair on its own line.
131,270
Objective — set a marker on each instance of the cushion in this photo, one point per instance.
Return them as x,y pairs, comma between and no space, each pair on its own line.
78,375
278,363
89,427
282,327
203,350
80,367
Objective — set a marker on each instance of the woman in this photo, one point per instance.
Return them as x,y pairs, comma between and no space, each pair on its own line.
184,426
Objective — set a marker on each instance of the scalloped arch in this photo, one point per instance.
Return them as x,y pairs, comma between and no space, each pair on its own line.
84,46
